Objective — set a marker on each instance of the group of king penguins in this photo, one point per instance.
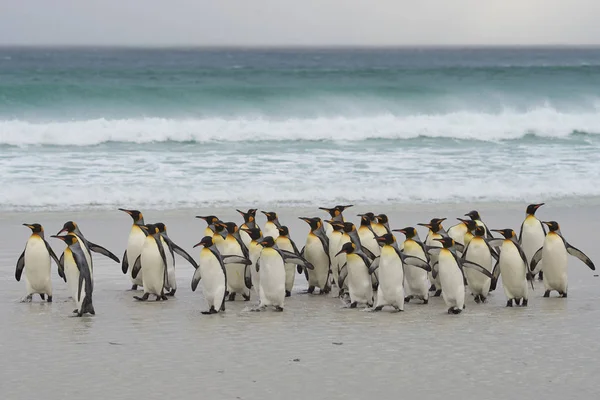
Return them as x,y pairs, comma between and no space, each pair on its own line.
366,263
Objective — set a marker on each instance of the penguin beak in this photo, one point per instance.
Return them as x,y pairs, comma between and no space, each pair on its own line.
464,221
547,223
198,244
380,239
425,225
399,230
340,252
329,210
438,240
305,219
58,237
29,226
124,210
539,205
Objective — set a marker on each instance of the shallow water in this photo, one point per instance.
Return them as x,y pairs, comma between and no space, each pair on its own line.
314,349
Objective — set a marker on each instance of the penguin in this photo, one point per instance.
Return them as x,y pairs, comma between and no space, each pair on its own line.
471,226
153,261
72,228
284,242
532,234
316,252
461,232
450,271
366,235
135,242
350,233
479,252
360,287
335,245
254,249
74,254
554,255
512,265
436,231
219,234
211,270
249,223
416,280
271,267
238,274
210,220
171,281
474,215
390,291
35,260
336,215
272,225
380,225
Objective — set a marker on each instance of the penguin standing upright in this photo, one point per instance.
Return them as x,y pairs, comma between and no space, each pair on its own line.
219,234
284,242
74,254
360,287
479,252
380,225
554,255
335,245
513,267
474,215
135,242
249,223
271,227
254,249
336,215
72,228
171,281
238,275
532,234
416,280
153,261
35,260
211,220
461,232
436,231
366,235
316,252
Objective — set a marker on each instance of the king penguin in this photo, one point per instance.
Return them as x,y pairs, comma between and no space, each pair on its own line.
211,220
474,215
436,231
153,261
284,242
336,215
335,245
238,274
381,225
135,242
249,223
461,232
272,225
73,229
74,254
554,255
479,252
171,280
254,249
360,287
416,281
532,234
366,235
35,260
316,252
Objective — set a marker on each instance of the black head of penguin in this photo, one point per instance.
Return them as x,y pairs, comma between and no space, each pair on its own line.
162,228
349,227
471,225
254,233
552,225
409,232
388,239
435,224
447,242
336,225
271,216
206,241
347,248
268,242
219,227
532,208
315,223
480,231
474,215
135,214
382,219
68,239
366,218
335,211
507,233
68,227
249,216
283,231
35,228
210,219
230,226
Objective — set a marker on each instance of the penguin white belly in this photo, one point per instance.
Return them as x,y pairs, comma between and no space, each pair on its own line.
391,279
457,233
213,279
367,240
135,244
272,278
171,281
554,255
379,229
334,248
71,273
37,267
254,251
434,258
153,267
328,229
479,253
532,238
415,278
451,279
270,229
290,268
512,269
360,287
340,260
315,254
236,282
246,239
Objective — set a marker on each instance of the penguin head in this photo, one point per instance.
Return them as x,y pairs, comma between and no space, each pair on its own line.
532,208
135,214
447,242
219,226
347,248
507,233
336,225
409,232
382,219
479,231
268,242
336,211
230,226
249,216
210,219
349,227
315,223
206,241
470,224
162,228
552,225
474,215
388,238
68,239
68,227
271,216
148,229
435,224
283,231
254,233
35,228
367,218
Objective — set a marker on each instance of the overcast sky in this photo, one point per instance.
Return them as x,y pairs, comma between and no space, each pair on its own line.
298,22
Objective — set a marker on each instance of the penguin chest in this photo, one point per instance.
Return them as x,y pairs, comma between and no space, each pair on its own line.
368,241
478,253
532,237
315,254
210,270
153,267
457,233
254,250
135,244
512,267
554,257
270,229
334,243
235,272
451,279
359,281
272,272
379,229
37,262
71,273
391,271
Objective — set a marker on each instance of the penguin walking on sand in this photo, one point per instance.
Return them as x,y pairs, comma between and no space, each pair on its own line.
479,251
335,245
153,261
74,254
513,267
239,279
416,281
135,242
360,287
391,265
254,249
554,256
450,271
72,228
436,231
532,234
211,270
284,242
35,261
316,252
271,227
171,281
271,267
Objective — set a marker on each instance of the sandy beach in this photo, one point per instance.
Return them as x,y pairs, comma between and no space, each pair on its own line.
314,349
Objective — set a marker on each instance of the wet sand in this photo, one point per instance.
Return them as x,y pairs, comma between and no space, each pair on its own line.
314,349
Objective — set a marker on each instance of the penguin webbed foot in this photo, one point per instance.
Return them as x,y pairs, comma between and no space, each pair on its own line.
547,293
477,299
278,308
49,299
525,302
27,299
134,287
310,290
246,297
288,293
143,298
353,304
42,296
212,310
231,297
171,293
437,293
407,299
563,295
509,303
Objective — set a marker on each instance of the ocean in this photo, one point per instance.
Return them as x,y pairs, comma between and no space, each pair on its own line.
178,128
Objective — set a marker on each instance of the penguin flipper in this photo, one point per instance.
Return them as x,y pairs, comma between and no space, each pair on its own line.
369,253
53,255
137,266
288,256
575,252
125,263
477,267
196,279
248,277
295,248
183,254
432,250
20,266
495,242
342,275
459,247
374,265
537,257
434,271
61,267
233,259
101,250
417,262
